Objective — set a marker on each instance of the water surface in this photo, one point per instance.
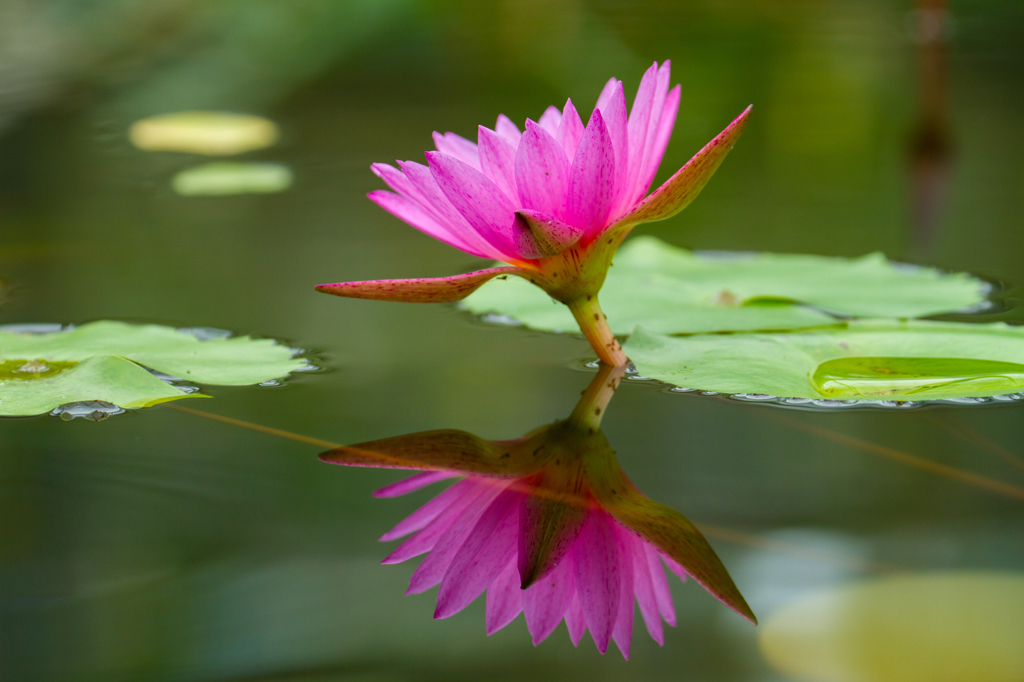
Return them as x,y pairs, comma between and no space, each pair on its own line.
161,545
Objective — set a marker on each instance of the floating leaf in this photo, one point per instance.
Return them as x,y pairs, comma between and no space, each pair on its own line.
214,133
860,360
101,361
674,291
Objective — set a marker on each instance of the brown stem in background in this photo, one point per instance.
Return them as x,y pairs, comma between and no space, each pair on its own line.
930,149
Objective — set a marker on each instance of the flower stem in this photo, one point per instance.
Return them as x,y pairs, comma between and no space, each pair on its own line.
594,325
591,407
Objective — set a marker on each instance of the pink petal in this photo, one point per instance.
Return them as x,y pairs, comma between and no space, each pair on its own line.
644,589
504,601
396,180
570,130
623,632
675,568
424,541
614,114
547,601
606,92
443,223
486,551
550,119
432,196
657,149
574,621
683,187
459,147
660,585
592,178
542,172
426,290
430,511
432,569
413,483
411,212
647,153
639,118
498,162
507,129
598,579
481,203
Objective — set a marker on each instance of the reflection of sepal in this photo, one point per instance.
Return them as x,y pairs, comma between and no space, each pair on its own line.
447,450
550,520
672,533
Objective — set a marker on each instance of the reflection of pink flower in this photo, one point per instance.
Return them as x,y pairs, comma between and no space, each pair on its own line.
554,201
473,532
547,524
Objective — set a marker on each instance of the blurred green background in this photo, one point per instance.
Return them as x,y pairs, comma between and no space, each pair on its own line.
163,546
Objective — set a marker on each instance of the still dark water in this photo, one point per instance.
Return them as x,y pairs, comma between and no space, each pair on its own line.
160,545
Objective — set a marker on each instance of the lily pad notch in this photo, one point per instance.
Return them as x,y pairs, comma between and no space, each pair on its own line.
114,362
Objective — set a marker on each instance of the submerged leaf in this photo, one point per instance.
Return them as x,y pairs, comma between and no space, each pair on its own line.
226,178
673,291
101,361
862,360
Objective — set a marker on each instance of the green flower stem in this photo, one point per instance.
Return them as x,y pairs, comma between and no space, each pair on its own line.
594,325
591,407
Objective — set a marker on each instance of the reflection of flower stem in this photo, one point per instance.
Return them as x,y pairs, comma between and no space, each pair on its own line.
590,409
594,325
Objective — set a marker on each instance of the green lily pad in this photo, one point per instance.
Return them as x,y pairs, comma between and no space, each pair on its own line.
863,360
107,360
673,291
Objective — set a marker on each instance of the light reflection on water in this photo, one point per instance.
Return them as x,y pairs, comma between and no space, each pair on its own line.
164,546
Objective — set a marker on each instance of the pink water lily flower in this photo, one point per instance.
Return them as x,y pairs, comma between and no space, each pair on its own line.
548,525
554,201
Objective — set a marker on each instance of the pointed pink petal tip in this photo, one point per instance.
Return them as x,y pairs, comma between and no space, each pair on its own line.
683,187
413,483
427,290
